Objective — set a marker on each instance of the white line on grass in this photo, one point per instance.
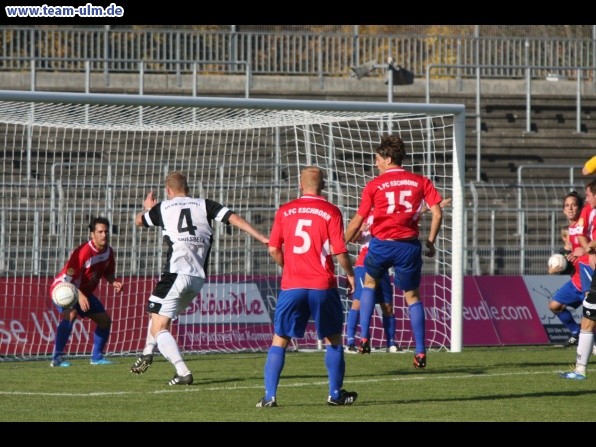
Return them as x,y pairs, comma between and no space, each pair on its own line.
192,389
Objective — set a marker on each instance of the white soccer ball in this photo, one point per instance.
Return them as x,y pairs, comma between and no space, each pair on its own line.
65,295
557,260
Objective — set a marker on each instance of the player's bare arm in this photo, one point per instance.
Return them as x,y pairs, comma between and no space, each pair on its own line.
243,225
117,285
353,228
83,301
277,255
149,202
346,264
435,226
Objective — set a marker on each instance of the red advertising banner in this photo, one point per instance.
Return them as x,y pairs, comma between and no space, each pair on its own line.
229,315
478,326
508,305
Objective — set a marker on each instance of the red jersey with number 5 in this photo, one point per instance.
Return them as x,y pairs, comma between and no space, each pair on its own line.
397,197
308,230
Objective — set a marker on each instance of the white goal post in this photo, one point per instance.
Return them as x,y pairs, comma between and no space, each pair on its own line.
68,157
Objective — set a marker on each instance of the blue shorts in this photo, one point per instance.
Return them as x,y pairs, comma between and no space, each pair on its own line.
296,306
383,292
95,307
404,257
568,295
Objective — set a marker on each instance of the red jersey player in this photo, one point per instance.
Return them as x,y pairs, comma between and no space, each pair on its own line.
87,264
585,343
307,232
397,198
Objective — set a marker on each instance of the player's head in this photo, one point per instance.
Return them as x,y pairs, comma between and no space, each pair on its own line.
391,151
100,231
572,205
564,233
176,184
311,180
591,192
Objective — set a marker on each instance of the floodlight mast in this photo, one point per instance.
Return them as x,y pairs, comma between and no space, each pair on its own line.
365,69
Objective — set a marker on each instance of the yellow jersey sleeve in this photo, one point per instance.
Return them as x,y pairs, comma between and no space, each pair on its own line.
590,166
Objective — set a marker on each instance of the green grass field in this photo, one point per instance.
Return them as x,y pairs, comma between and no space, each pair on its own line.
501,384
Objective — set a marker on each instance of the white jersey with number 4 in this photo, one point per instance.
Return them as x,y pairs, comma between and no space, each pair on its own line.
186,223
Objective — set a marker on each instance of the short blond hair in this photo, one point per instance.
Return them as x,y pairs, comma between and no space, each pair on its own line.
312,179
564,233
177,182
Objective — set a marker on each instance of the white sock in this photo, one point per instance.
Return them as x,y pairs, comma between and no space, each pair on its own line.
584,350
168,347
150,343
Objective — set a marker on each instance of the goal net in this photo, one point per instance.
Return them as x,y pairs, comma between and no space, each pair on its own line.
70,157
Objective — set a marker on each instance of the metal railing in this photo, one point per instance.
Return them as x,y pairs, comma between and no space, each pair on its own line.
506,232
530,75
286,52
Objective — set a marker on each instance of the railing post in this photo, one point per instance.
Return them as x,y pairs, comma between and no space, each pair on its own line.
248,79
106,55
320,62
578,110
356,48
528,95
478,126
178,62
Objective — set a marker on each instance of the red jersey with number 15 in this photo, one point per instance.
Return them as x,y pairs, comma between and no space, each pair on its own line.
309,230
397,197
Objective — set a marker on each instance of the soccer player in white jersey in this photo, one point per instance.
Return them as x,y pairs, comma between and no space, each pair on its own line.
186,223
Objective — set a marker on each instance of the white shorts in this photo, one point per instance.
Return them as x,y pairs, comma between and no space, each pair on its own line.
173,294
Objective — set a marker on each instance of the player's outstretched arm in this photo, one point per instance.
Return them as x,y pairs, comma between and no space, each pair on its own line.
242,224
149,202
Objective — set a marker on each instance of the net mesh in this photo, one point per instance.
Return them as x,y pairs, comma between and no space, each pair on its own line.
65,163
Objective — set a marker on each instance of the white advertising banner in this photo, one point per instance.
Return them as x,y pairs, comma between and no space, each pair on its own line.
225,303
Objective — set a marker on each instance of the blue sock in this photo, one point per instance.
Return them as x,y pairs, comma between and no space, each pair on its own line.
569,322
367,307
276,358
62,335
336,368
389,327
100,338
353,316
417,321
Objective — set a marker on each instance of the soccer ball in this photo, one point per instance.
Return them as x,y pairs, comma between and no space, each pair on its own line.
557,261
65,295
